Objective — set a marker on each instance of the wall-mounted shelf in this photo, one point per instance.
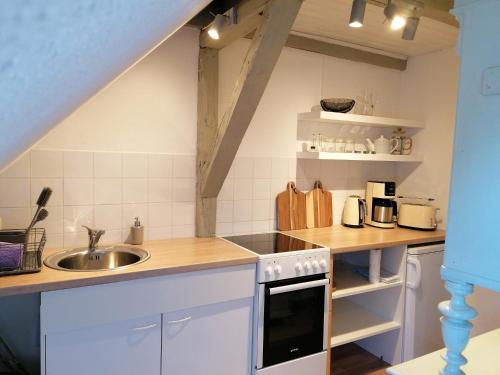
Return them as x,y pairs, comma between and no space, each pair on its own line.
359,120
348,283
414,158
353,322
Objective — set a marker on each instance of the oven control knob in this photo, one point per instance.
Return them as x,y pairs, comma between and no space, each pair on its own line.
307,267
315,265
277,270
268,271
299,268
323,264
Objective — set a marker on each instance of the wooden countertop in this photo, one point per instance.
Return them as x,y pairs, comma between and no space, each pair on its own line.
167,257
481,353
341,239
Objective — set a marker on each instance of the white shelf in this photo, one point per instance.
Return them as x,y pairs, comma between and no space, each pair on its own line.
414,158
352,322
348,283
359,120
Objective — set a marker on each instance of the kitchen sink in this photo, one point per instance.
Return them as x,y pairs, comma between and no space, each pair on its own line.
99,259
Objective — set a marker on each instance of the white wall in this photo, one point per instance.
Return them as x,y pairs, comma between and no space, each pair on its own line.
429,93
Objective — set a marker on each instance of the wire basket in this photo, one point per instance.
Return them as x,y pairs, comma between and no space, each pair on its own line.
21,252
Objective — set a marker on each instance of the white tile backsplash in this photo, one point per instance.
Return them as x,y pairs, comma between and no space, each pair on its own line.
242,210
19,169
78,164
76,216
159,190
243,189
107,165
46,163
15,192
108,216
184,189
15,217
135,190
160,166
160,214
78,191
184,166
107,190
135,165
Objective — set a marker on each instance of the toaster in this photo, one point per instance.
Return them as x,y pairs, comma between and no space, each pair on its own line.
417,216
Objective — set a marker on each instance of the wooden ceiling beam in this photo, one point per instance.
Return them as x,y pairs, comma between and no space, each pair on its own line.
249,16
263,53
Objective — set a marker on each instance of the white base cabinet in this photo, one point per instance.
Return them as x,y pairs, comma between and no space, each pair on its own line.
187,324
215,337
128,348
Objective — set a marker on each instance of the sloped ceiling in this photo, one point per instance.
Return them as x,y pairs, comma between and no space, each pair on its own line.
55,54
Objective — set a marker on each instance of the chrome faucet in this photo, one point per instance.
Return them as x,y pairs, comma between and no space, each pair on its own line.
94,237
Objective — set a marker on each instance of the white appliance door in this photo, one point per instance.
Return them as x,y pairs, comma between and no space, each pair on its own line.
424,291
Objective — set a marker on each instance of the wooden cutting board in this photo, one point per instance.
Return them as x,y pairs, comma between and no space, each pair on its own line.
318,207
291,207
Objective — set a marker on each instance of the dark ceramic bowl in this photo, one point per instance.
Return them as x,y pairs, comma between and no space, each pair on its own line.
337,105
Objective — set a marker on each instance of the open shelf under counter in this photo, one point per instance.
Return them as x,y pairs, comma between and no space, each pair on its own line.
352,322
413,158
349,283
359,120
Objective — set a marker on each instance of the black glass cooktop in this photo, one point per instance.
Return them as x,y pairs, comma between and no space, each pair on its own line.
270,243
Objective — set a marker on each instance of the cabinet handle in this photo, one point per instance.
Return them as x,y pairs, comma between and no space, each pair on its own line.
179,321
149,326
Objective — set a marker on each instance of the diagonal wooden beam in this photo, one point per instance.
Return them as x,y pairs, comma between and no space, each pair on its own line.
263,53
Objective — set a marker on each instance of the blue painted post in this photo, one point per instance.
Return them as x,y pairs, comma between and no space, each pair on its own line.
456,326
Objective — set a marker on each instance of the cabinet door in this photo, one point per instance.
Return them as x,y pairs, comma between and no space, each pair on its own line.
123,348
209,340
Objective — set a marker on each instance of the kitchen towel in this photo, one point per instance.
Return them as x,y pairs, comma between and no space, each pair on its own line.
10,255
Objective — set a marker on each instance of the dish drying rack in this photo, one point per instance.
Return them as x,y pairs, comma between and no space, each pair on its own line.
33,243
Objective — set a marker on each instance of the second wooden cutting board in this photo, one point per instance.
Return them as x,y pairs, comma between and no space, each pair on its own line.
318,207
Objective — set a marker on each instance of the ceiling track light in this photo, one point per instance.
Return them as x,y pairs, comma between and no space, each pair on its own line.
396,19
357,13
221,20
411,28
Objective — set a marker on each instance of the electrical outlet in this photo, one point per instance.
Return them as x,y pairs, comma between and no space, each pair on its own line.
491,81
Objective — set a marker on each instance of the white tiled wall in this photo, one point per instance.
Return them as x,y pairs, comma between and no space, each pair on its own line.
246,202
107,190
101,190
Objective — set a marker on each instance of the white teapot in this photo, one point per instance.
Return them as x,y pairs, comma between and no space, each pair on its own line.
386,146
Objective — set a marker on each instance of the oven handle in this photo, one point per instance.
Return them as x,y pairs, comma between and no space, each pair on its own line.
293,287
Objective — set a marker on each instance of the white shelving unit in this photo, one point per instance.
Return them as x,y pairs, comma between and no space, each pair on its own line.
359,120
370,314
352,322
414,158
348,283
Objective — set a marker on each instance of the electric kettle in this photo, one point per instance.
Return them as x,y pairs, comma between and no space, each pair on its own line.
354,212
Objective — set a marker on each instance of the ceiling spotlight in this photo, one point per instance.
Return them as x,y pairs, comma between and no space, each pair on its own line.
221,20
357,13
391,13
214,28
411,28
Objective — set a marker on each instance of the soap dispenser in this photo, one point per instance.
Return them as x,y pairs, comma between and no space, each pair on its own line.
137,232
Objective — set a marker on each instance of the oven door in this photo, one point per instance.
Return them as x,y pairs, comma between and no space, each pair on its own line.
293,319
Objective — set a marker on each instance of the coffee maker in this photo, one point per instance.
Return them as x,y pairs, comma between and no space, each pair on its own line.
381,208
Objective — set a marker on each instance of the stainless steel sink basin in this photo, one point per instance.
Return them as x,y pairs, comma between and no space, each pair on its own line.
100,259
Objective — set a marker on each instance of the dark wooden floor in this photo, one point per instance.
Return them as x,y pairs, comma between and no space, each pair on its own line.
350,359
